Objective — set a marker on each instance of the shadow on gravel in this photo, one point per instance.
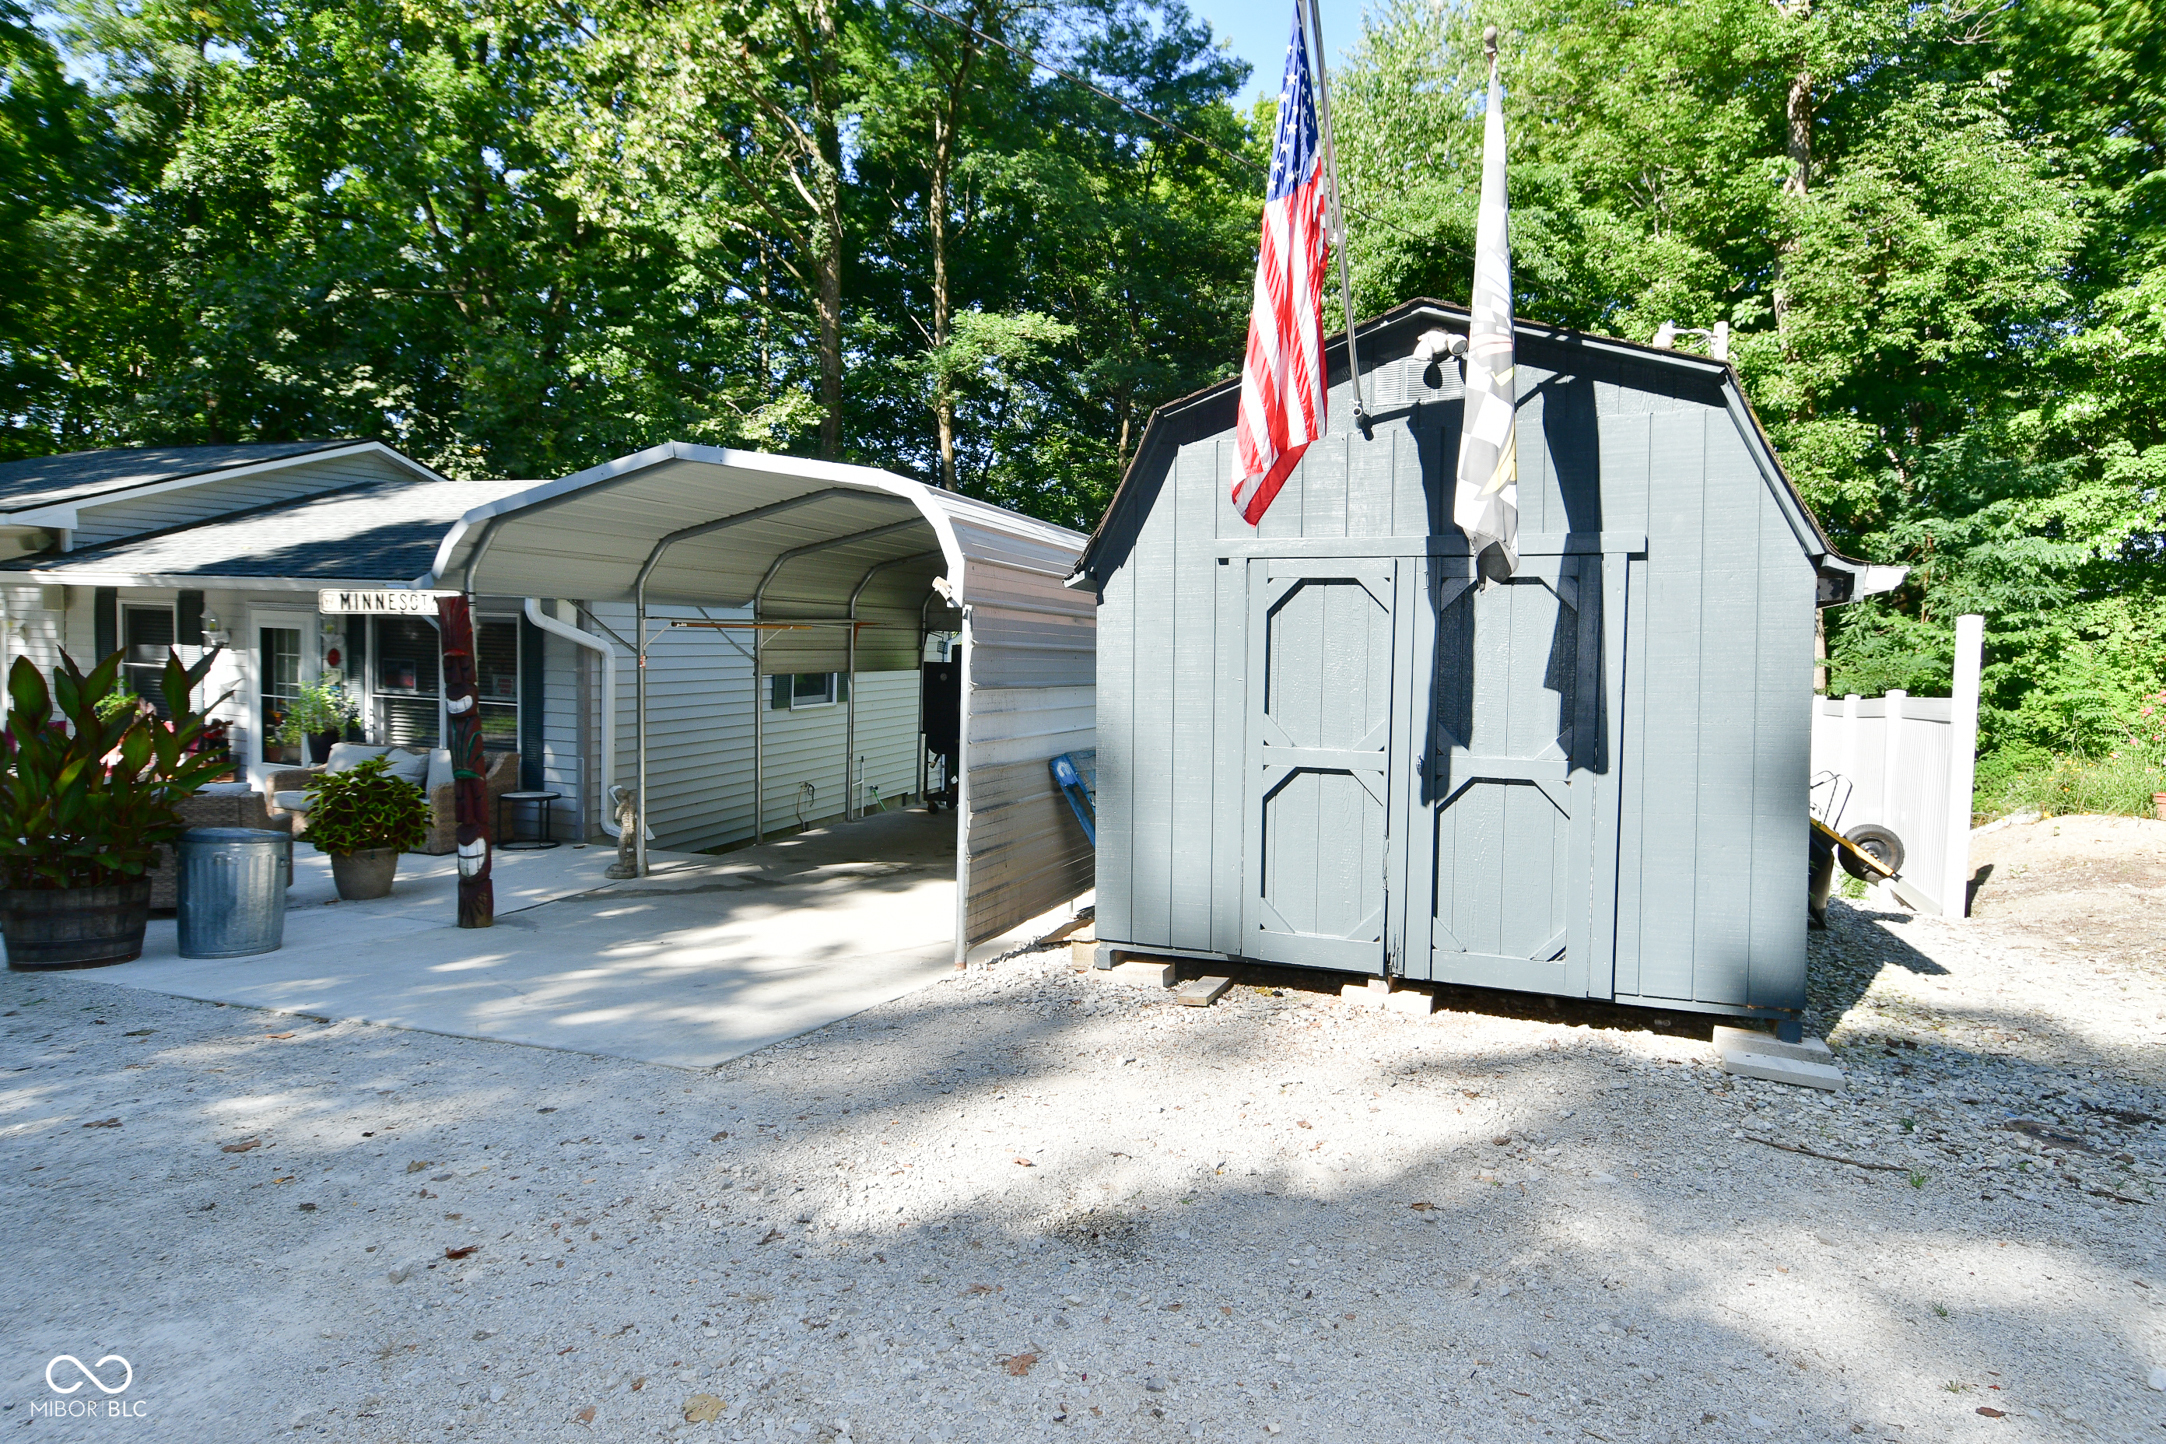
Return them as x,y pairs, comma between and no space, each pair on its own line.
1652,1259
1650,1277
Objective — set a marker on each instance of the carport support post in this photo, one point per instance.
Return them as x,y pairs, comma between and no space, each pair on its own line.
849,795
920,664
759,735
639,797
469,772
849,720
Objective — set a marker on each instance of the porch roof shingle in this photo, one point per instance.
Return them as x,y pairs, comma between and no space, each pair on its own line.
376,532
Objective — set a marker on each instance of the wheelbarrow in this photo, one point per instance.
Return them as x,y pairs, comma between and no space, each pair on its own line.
1869,852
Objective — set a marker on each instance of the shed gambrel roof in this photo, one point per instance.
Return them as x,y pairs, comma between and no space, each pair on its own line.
1393,335
382,533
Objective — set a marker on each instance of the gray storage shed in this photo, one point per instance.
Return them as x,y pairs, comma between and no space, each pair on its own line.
1320,744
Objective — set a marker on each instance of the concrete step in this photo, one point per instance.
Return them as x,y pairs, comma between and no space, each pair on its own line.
1137,973
1202,992
1745,1040
1809,1064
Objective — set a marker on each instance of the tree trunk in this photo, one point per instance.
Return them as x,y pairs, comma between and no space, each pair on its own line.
1798,135
825,65
830,267
936,204
469,766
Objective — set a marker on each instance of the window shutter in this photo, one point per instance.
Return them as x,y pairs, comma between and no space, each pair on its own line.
105,620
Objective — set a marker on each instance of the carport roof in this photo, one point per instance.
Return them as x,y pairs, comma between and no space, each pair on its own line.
588,535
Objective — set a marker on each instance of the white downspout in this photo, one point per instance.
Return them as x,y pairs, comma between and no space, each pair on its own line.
602,649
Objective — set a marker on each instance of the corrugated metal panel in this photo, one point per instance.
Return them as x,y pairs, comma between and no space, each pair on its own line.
1030,641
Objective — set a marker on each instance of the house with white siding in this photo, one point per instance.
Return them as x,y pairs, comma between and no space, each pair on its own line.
228,547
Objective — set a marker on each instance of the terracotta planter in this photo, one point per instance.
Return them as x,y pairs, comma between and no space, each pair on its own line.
49,929
364,875
2158,805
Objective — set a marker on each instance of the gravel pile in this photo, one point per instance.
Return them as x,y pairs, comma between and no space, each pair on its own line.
1026,1201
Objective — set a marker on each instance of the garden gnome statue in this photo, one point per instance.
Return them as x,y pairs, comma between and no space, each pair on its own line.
627,863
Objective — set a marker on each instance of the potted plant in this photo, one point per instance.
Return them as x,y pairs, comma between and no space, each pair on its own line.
317,714
364,818
88,793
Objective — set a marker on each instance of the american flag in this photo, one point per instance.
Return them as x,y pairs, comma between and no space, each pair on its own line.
1282,379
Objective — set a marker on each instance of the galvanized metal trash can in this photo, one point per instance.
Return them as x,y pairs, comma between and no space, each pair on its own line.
232,891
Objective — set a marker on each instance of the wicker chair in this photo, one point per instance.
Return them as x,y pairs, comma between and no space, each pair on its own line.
287,785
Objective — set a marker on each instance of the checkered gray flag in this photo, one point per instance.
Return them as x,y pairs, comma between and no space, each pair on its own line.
1486,505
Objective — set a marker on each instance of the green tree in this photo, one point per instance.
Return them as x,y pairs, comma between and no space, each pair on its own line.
1926,227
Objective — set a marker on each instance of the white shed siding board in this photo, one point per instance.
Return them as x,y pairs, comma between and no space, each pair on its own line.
34,630
132,516
231,676
806,745
563,747
699,718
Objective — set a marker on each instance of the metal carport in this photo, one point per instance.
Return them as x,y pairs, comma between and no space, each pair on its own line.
840,565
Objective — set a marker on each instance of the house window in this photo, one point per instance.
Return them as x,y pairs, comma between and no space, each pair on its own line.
403,658
279,668
147,638
496,681
405,670
788,691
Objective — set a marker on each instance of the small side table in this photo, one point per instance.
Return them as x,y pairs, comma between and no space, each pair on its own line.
541,801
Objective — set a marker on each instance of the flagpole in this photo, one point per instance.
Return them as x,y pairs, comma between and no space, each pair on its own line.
1338,215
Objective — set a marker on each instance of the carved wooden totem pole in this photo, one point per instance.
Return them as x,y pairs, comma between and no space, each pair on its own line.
469,768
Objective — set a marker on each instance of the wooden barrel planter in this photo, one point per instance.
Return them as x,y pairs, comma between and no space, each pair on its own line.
77,927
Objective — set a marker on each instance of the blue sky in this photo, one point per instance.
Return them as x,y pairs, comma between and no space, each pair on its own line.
1258,31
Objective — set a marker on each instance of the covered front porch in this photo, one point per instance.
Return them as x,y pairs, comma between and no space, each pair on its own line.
706,958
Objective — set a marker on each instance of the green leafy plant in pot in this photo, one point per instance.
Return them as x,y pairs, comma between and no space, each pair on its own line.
87,796
364,818
317,716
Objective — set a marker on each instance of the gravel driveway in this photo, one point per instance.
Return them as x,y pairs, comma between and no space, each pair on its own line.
1025,1201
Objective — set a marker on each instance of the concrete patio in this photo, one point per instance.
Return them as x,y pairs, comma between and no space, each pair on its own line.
707,958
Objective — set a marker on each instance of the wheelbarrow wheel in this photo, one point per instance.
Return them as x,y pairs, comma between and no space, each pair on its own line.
1882,845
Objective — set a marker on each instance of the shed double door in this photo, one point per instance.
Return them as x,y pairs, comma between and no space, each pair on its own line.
1424,788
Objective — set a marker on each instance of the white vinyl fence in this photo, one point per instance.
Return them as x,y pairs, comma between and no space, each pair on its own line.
1906,763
